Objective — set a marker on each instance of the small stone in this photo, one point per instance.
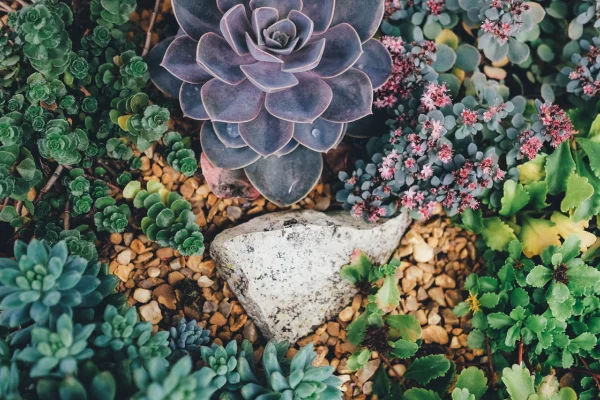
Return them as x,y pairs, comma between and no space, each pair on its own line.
205,282
142,295
234,212
400,370
421,317
150,283
239,323
454,343
449,317
367,387
453,297
153,272
165,296
137,246
124,257
209,307
445,282
175,277
250,331
164,253
151,312
422,252
116,238
414,273
225,308
123,271
346,314
323,204
434,318
437,294
411,303
218,319
365,373
435,334
333,328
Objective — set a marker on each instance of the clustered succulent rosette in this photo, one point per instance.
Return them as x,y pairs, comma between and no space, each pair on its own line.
276,80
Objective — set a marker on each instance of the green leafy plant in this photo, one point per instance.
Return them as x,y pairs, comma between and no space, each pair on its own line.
179,155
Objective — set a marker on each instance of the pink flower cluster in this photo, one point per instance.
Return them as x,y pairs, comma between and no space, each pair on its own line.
502,28
491,112
469,117
406,74
530,144
436,7
557,125
435,96
369,210
590,86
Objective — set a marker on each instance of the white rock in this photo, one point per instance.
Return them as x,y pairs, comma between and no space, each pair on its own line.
142,295
151,312
284,267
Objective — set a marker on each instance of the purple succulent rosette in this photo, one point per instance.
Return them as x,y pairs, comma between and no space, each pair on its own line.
276,81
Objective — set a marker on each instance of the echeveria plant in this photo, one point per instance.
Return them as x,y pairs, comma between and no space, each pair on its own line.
276,80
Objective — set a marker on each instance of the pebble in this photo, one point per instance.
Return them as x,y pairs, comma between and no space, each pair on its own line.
365,373
346,314
225,308
142,295
400,370
444,281
175,277
333,328
123,271
250,331
437,295
435,334
153,272
218,319
205,282
116,238
124,257
209,307
137,246
166,296
422,252
234,212
151,312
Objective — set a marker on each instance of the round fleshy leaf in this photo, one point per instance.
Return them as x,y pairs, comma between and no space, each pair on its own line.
445,58
284,26
304,27
266,134
342,50
320,12
190,100
291,146
302,103
269,77
180,60
319,136
262,18
467,57
364,16
376,62
234,26
363,128
226,5
288,179
494,51
283,6
517,51
352,97
259,53
227,183
221,156
232,103
217,57
160,77
229,134
197,17
304,60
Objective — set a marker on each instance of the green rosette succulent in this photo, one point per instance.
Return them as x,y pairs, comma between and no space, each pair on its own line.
62,145
117,149
10,50
156,381
222,363
11,131
179,155
7,182
110,13
45,282
56,352
169,220
42,28
111,218
40,89
124,332
99,189
80,245
79,186
148,127
301,381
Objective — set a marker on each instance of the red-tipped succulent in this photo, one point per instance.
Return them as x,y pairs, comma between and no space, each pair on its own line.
276,81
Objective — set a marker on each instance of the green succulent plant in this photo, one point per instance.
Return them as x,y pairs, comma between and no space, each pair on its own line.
11,129
47,43
117,149
44,283
169,219
9,382
41,89
80,245
179,155
156,381
57,352
109,217
7,181
146,128
109,13
62,145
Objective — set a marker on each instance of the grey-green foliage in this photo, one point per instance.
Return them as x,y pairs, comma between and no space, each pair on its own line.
44,283
156,381
229,372
187,337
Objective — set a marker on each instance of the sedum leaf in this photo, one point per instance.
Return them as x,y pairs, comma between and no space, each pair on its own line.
420,394
518,382
474,381
388,296
566,227
559,167
425,369
592,149
514,199
537,234
497,234
407,325
578,191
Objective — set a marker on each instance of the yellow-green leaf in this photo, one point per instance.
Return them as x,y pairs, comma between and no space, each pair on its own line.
566,227
497,234
537,234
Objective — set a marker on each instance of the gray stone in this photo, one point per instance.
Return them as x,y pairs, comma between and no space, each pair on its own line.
284,267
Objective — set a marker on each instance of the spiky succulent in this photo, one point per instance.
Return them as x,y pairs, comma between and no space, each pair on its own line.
301,380
44,283
110,217
187,337
278,80
57,351
157,382
123,331
179,154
